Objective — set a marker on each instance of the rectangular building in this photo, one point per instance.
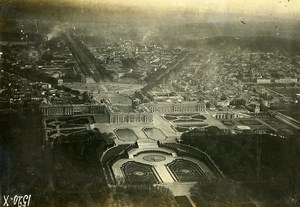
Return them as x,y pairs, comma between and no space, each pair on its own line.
176,107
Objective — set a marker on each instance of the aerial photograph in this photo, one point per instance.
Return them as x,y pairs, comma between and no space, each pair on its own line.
149,103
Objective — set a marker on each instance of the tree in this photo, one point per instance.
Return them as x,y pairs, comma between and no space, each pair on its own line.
136,196
208,105
220,192
86,97
238,102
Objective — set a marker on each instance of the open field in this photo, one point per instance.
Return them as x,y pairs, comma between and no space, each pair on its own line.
253,123
106,87
292,110
260,124
286,91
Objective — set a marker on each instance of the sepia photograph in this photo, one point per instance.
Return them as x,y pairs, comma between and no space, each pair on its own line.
150,103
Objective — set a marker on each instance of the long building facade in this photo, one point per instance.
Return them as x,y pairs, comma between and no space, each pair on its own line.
145,114
83,109
176,107
130,117
72,109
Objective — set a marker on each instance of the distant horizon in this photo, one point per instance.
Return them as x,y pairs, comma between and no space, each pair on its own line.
287,9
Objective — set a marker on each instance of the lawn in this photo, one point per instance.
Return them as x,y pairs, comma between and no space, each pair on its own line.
185,170
138,173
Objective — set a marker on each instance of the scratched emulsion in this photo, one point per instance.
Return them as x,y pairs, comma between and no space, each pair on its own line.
147,103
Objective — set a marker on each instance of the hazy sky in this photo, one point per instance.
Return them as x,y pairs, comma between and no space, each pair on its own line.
276,8
279,8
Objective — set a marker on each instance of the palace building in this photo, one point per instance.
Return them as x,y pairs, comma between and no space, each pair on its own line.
121,113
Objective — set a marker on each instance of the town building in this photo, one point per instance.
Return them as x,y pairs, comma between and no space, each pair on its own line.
263,81
286,80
